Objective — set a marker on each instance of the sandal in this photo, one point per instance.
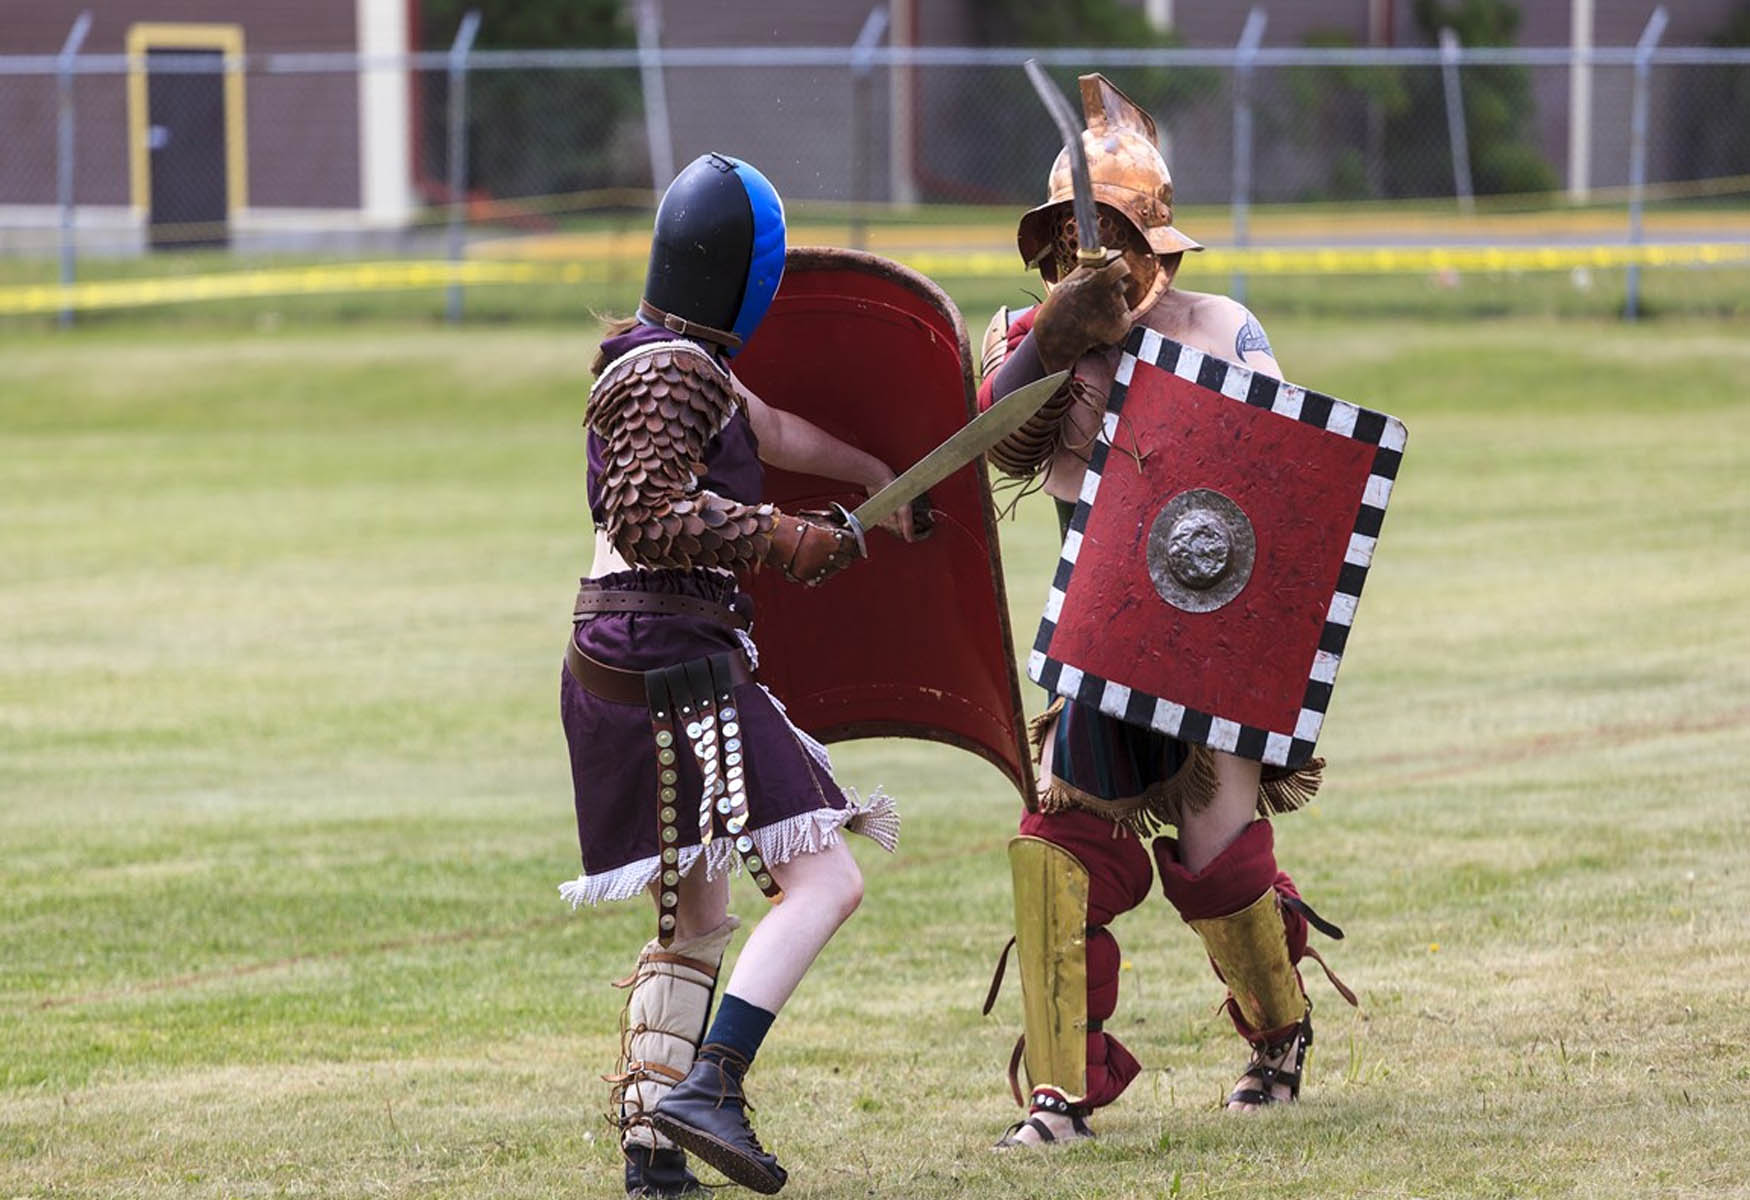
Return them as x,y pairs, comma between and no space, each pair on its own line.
1269,1068
1046,1100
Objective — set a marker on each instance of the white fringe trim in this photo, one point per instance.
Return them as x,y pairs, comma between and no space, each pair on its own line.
804,833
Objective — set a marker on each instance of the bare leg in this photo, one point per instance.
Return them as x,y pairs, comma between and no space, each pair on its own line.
821,891
1204,835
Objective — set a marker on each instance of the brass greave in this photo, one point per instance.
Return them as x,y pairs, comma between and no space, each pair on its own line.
1250,949
1051,944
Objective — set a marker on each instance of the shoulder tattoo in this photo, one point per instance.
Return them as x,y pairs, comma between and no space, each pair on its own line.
1251,337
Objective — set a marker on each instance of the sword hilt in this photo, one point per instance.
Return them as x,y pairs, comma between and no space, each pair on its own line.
854,526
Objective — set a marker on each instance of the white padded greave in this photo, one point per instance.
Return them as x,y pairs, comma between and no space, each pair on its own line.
663,1024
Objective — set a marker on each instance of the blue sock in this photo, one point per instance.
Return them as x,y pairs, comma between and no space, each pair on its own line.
740,1026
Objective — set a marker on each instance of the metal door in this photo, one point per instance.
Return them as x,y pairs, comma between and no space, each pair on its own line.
185,138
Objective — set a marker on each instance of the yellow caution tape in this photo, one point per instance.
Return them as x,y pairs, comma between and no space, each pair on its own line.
17,300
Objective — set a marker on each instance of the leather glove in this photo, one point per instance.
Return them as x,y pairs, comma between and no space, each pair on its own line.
1084,311
811,547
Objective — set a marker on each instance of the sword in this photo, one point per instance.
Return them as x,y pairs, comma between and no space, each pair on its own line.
974,438
1087,220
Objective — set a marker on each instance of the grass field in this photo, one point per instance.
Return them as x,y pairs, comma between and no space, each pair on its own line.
283,798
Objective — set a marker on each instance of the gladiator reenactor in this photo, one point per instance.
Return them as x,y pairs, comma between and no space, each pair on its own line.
1108,253
684,767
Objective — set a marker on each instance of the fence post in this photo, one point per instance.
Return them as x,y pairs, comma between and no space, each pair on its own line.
459,153
874,25
64,152
1244,56
656,126
1467,201
1637,152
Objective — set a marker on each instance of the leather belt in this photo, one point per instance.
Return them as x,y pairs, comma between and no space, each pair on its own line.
592,600
627,687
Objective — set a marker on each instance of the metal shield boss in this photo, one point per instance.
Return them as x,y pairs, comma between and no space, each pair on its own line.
1051,946
1210,575
914,642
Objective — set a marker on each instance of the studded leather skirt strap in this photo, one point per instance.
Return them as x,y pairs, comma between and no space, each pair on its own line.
697,699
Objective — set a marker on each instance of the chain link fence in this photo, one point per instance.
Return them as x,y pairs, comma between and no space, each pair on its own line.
122,166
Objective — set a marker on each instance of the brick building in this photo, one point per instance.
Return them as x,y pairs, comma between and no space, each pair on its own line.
180,155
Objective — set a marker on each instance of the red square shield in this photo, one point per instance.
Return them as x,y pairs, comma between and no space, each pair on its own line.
1209,578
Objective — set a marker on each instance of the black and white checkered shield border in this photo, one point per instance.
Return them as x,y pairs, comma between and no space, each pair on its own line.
1281,747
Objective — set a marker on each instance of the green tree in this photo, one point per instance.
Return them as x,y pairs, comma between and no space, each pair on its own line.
1714,108
1498,111
534,132
1340,110
1010,159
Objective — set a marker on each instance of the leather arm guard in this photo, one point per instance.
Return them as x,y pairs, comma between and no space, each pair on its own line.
811,547
664,1021
655,415
1085,311
1028,450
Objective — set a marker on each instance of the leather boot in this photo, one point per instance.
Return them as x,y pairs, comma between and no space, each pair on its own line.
651,1172
706,1114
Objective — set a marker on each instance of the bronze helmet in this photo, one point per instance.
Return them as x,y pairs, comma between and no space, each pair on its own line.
1128,173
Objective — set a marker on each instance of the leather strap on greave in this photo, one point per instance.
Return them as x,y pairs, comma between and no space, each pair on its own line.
668,1002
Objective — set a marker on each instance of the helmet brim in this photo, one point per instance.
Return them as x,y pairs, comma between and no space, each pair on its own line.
1033,234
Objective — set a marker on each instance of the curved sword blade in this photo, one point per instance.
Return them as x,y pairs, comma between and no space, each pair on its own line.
974,438
1087,221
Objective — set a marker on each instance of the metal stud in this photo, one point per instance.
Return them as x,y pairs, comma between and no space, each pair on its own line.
669,834
668,778
667,921
668,795
669,899
668,815
665,757
763,881
670,878
744,843
736,823
723,806
753,863
693,730
670,855
664,738
729,714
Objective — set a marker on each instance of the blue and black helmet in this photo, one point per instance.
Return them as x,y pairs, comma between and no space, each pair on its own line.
717,253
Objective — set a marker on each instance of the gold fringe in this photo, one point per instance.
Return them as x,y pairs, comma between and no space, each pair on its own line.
1039,728
1284,789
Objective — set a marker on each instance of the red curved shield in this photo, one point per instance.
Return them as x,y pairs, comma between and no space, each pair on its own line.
914,642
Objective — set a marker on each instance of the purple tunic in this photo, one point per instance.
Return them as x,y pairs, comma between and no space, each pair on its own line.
794,806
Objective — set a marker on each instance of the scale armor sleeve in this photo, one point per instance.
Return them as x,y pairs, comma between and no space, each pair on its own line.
1028,450
655,416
